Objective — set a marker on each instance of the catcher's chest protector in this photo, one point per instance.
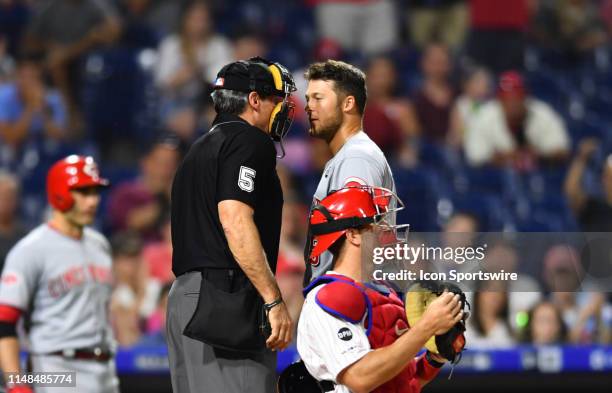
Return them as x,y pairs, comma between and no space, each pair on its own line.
385,319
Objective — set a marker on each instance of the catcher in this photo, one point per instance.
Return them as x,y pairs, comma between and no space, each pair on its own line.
355,337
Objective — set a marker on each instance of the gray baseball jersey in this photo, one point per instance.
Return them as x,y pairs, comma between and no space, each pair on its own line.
64,285
359,161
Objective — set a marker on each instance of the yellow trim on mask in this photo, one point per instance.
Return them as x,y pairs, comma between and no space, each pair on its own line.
275,112
277,76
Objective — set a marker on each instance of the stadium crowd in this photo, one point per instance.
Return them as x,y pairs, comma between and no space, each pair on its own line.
495,117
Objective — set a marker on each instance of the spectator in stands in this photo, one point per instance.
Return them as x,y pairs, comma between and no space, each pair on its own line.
573,27
361,26
249,43
460,229
458,232
164,15
158,256
524,292
606,16
156,324
290,266
138,31
14,17
574,294
594,213
29,111
477,87
134,296
142,204
7,64
488,326
191,57
388,117
434,100
516,129
183,123
442,20
11,230
67,31
497,33
545,325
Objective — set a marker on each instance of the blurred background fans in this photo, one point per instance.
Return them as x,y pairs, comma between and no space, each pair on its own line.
495,116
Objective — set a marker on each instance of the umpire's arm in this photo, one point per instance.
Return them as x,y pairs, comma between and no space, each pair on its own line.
243,239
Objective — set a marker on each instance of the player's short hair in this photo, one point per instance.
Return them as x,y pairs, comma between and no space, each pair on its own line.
230,101
348,79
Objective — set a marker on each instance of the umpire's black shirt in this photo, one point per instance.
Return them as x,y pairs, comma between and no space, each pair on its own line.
232,161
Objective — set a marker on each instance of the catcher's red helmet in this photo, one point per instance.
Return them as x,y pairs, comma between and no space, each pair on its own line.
68,174
349,207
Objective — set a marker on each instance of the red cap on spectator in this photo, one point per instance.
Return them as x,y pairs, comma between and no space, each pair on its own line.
511,84
327,48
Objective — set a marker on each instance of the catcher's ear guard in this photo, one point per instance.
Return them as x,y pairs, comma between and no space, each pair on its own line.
418,297
296,379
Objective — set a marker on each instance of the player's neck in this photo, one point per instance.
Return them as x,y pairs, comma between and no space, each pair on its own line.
344,133
346,266
60,223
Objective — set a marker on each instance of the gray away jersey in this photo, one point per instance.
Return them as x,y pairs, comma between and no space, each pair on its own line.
64,285
359,161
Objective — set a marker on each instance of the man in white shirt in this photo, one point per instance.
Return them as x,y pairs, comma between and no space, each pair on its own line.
353,337
515,129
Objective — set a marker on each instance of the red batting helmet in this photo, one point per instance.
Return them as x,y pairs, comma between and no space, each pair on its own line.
349,207
68,174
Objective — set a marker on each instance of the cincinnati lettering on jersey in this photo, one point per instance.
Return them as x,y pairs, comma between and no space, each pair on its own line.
77,276
9,279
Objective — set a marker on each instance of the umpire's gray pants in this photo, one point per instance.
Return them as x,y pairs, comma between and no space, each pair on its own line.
198,367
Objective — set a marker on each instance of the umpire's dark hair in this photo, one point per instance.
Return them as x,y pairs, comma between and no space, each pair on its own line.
230,101
348,79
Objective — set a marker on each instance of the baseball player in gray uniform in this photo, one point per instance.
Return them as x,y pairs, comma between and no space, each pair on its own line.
58,278
335,102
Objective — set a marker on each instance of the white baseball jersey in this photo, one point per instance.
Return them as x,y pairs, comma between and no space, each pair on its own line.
326,344
359,161
64,285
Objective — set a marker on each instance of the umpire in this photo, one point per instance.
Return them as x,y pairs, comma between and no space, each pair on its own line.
226,316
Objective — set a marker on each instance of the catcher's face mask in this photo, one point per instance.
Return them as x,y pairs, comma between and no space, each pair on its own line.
353,207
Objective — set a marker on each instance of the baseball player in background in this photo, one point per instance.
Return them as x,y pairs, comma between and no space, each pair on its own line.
353,336
58,278
335,102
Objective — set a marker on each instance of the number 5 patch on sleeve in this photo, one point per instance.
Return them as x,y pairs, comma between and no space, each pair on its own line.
246,179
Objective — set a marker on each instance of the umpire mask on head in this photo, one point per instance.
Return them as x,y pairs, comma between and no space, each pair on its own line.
268,79
283,86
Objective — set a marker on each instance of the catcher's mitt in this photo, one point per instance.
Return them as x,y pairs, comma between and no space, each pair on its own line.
450,344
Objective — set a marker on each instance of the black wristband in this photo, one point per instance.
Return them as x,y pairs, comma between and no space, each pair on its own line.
431,361
270,306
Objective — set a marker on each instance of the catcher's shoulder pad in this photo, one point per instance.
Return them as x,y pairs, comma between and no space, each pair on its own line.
343,299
